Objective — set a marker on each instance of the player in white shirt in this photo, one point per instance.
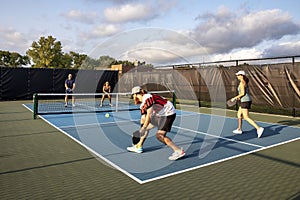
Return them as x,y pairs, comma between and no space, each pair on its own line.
159,112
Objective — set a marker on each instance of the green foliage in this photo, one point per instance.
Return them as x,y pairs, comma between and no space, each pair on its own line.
66,61
105,61
77,59
46,53
13,59
89,63
126,63
149,65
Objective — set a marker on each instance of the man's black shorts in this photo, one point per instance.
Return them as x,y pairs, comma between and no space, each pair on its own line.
163,123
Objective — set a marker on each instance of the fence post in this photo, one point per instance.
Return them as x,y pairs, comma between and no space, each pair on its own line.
35,105
236,64
294,96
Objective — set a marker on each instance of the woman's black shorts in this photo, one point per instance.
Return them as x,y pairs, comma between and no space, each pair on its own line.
246,104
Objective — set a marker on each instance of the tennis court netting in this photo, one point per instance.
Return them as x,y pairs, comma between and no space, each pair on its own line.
54,103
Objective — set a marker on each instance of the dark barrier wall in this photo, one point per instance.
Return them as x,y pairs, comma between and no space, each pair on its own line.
14,83
22,83
39,80
276,85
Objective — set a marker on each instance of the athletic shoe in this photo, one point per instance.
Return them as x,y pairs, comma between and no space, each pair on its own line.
133,148
236,131
260,132
177,154
66,105
73,105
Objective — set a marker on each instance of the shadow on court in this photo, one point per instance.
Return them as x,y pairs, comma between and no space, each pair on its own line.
276,159
205,146
45,166
28,134
251,134
290,122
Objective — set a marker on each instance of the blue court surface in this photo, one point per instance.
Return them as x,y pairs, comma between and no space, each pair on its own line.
206,139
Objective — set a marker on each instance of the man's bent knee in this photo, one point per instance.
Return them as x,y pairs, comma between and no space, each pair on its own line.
160,137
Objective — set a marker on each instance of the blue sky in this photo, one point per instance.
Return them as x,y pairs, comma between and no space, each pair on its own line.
156,31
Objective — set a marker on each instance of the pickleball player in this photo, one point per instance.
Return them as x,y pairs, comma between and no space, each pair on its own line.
70,87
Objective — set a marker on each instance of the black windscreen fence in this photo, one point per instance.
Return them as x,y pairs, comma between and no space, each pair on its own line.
275,85
272,85
22,83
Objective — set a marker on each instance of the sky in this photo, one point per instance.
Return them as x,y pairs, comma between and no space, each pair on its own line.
156,31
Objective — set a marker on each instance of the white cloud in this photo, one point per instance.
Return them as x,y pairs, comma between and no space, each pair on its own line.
162,51
78,16
238,54
153,45
100,31
105,30
12,40
224,31
129,12
220,35
284,49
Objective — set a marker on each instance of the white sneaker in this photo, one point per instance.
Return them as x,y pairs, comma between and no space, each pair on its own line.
260,132
177,154
133,148
73,105
66,105
237,131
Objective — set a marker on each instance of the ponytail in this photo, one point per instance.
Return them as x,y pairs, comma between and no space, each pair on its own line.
246,79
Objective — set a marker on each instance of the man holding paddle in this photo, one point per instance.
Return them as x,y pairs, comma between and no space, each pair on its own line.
156,111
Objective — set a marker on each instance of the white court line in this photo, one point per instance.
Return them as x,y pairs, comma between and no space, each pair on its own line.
218,161
113,165
115,122
255,113
174,173
190,130
224,138
93,124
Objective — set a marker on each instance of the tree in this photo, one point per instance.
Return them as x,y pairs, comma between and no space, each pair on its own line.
77,59
105,61
89,63
13,59
46,53
65,61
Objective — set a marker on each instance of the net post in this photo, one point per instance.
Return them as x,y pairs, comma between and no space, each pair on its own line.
174,99
35,105
117,102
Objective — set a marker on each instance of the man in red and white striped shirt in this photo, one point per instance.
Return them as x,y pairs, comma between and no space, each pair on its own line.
159,112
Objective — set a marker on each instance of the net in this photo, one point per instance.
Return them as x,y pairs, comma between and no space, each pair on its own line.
54,103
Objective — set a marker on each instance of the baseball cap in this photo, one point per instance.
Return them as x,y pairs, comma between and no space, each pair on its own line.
241,72
135,90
